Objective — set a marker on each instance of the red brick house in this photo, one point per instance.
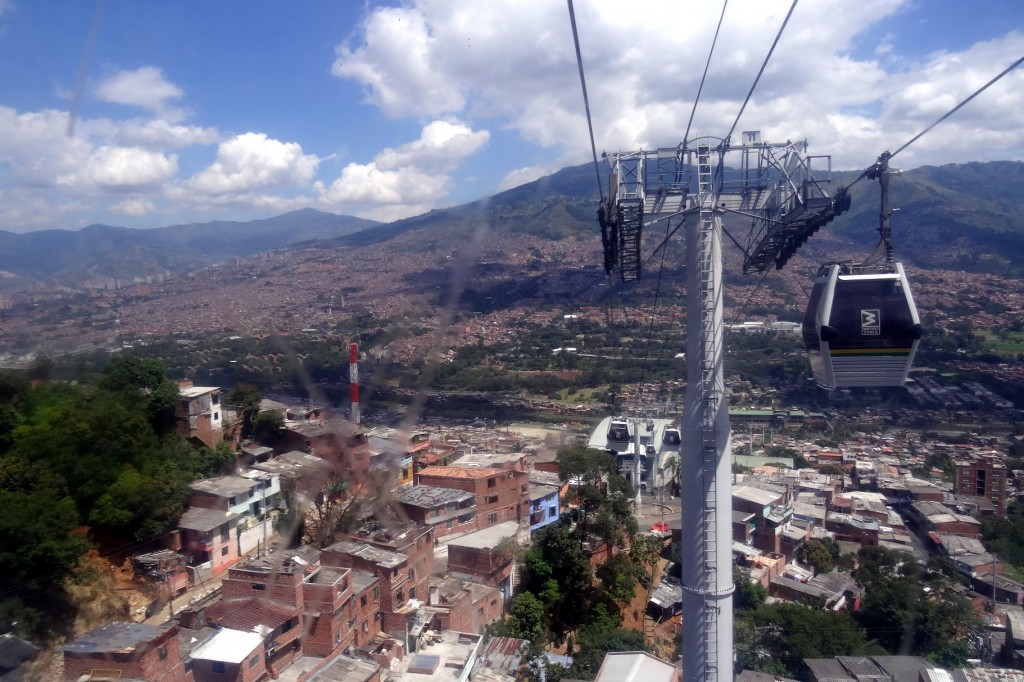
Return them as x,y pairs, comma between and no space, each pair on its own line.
501,495
396,583
342,443
447,510
127,651
463,606
414,541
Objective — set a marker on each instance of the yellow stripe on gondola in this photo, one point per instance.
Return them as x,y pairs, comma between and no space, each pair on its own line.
869,351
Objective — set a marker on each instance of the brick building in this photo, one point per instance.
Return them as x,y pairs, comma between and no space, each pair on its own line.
982,476
342,443
414,541
463,606
501,494
279,624
396,584
447,510
127,651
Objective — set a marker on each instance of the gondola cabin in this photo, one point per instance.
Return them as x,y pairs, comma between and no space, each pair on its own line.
861,327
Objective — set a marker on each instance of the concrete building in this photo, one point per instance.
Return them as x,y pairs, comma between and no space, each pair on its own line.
545,499
229,656
199,414
486,556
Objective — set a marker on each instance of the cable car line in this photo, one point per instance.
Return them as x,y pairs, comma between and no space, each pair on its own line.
875,167
761,71
707,64
586,99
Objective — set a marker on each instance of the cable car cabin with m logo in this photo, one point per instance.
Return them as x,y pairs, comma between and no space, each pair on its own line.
861,326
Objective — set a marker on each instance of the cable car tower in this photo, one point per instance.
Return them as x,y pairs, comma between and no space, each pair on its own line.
774,186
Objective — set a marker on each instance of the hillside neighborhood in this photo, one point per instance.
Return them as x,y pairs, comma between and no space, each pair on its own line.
415,542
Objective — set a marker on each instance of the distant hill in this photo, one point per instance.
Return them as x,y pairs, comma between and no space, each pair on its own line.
103,251
960,216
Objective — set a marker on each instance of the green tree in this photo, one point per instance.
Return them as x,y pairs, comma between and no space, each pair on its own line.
749,594
267,427
143,380
245,398
820,554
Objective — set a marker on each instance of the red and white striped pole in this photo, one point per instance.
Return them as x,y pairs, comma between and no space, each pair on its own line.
353,380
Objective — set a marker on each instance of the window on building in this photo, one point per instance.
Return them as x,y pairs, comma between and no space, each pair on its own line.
224,551
256,659
492,518
551,512
225,533
216,416
337,638
492,482
258,586
449,523
217,667
162,652
525,488
491,499
400,595
412,574
362,600
366,627
376,593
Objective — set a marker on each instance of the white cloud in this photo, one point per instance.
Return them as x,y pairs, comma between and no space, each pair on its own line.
512,63
134,207
146,88
123,167
521,176
252,161
404,180
159,134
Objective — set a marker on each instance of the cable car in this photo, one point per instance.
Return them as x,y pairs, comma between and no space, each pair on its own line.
861,326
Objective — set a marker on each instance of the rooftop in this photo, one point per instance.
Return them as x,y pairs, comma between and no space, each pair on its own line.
755,495
488,538
427,497
441,657
196,391
249,615
634,666
331,427
344,668
460,472
204,520
118,638
225,486
228,646
376,555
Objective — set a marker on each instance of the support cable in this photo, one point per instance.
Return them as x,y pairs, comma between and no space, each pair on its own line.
763,66
650,327
696,99
874,167
586,100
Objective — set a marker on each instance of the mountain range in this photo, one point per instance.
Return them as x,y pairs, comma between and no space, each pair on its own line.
962,216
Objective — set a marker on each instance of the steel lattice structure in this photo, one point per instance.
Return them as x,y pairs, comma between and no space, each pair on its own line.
774,186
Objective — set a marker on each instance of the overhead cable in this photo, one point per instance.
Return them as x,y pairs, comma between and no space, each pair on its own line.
761,71
696,99
586,100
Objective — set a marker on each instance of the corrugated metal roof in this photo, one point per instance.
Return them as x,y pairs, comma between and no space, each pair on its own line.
204,520
503,654
117,638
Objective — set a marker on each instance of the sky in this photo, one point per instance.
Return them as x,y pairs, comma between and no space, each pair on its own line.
142,113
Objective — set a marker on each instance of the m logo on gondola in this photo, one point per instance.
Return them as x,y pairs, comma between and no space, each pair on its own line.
869,322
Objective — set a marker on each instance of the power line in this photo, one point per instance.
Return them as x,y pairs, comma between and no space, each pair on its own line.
586,99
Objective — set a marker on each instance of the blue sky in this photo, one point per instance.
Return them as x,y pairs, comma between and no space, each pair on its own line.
189,112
